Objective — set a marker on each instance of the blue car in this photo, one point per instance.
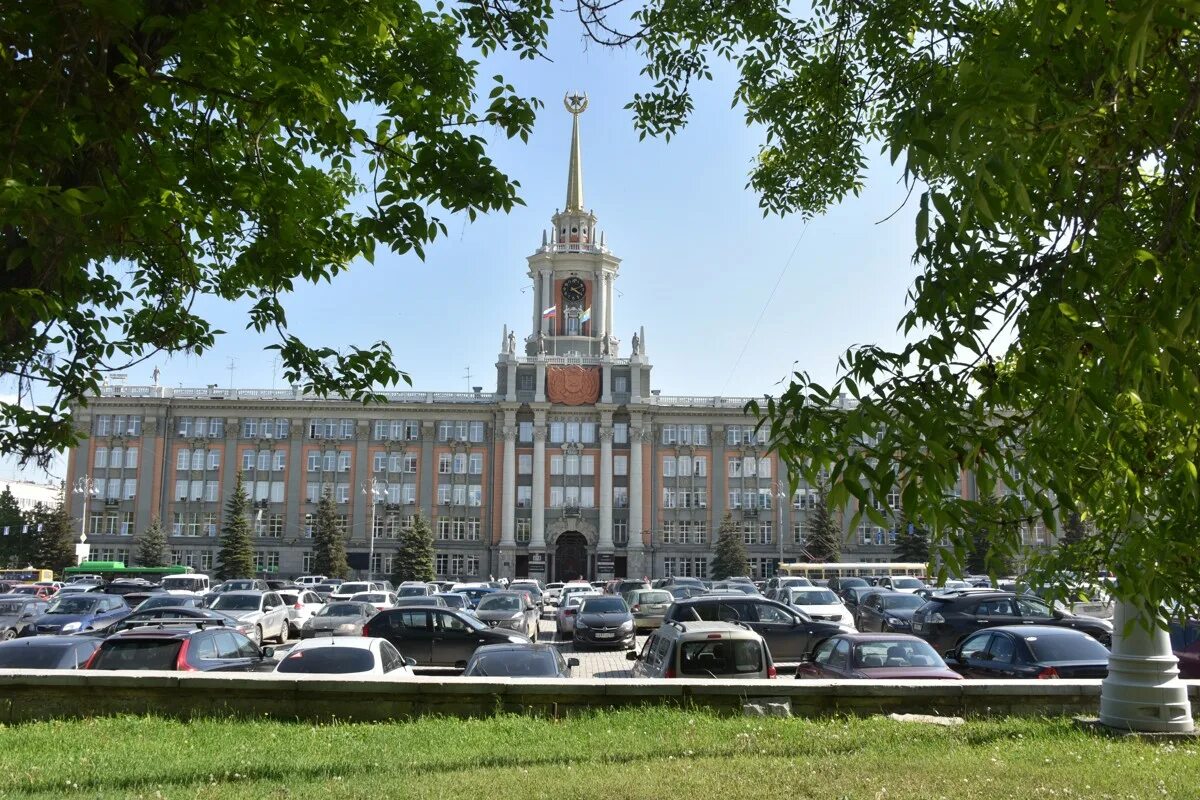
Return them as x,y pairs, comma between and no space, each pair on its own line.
77,613
476,593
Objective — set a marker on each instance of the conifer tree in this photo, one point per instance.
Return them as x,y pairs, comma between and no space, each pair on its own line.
329,549
152,546
11,521
236,556
730,557
414,558
824,543
912,541
53,529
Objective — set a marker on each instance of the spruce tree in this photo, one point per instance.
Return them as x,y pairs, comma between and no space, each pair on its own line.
329,549
912,541
824,543
987,554
1073,530
730,557
11,521
152,546
54,530
414,558
236,557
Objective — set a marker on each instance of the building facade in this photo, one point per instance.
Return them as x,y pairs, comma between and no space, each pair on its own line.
574,466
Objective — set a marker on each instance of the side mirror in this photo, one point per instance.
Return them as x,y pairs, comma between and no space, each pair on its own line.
574,662
806,658
632,655
268,652
460,665
412,662
951,655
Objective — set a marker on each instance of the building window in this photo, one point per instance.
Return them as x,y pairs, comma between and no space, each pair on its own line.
669,434
101,457
620,465
475,466
621,497
621,383
524,464
524,526
524,496
620,432
525,431
620,529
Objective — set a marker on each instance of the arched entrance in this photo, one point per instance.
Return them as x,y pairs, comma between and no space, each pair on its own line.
570,556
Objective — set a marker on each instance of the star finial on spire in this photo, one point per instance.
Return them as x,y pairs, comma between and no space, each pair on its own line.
575,103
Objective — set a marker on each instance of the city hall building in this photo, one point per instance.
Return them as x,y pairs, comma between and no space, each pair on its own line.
575,466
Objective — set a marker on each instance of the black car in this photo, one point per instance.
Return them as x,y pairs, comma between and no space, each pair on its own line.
789,634
1029,651
945,619
154,616
840,584
518,661
887,612
124,586
439,637
604,621
183,646
686,592
48,652
853,597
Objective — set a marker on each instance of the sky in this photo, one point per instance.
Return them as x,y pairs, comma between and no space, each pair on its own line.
731,302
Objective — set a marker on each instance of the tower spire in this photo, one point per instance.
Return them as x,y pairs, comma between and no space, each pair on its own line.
576,104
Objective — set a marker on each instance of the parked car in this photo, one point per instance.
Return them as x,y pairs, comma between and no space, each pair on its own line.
841,583
437,636
685,591
648,606
604,621
875,656
553,594
945,619
244,585
342,618
32,590
886,612
783,582
309,581
169,601
948,586
419,601
135,599
456,600
817,603
363,657
324,590
168,615
381,600
1185,641
518,661
264,610
564,617
347,590
512,610
203,646
79,588
79,613
411,589
301,605
533,587
624,586
1029,651
48,652
571,588
476,593
185,584
720,650
902,583
853,597
789,634
18,612
726,587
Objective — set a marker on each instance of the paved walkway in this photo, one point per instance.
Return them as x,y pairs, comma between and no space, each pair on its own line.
593,663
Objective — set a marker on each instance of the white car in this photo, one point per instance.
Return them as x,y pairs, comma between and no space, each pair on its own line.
364,657
902,584
564,618
264,611
189,585
348,590
553,594
818,603
309,581
574,588
302,604
380,600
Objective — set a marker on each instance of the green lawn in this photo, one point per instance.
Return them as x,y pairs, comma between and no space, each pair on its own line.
630,754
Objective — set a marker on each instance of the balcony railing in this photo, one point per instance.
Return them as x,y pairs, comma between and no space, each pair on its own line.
213,393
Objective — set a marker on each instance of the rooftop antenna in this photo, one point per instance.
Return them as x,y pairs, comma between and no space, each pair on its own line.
468,378
274,371
232,366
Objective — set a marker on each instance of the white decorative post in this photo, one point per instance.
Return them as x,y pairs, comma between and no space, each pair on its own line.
86,487
1142,691
370,488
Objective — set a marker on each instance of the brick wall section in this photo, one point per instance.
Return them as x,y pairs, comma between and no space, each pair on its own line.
27,696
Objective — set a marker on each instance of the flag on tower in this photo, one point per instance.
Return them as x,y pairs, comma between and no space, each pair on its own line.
586,315
552,311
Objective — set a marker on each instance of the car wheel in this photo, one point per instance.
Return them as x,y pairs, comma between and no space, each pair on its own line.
6,634
257,638
293,632
283,633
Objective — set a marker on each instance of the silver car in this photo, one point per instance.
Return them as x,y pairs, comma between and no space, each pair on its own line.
17,612
512,610
564,618
264,610
339,618
302,604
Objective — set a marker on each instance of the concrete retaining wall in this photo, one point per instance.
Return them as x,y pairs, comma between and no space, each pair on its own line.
28,695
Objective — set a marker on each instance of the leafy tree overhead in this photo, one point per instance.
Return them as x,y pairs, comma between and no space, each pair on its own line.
329,549
235,559
155,153
152,548
730,558
1052,150
415,553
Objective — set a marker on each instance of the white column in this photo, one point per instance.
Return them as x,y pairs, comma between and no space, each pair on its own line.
508,524
601,305
539,395
606,382
547,300
537,306
537,533
606,476
608,324
635,486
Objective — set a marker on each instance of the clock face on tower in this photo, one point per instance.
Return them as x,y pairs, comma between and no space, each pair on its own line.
573,290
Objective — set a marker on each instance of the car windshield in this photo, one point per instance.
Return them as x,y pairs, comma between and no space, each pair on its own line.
502,603
354,588
328,661
325,588
12,606
895,653
720,657
166,600
73,605
238,602
137,654
514,663
1065,647
36,655
907,583
817,597
234,586
654,597
897,601
370,597
603,605
452,600
847,583
342,610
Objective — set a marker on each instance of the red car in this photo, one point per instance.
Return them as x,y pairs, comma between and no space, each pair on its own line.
34,590
875,656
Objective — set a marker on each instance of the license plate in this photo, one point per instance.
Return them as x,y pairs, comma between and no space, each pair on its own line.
656,608
605,635
918,626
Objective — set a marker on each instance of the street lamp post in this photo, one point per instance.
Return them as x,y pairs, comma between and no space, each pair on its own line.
87,487
371,489
781,494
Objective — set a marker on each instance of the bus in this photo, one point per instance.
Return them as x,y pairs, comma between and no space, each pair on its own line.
27,575
855,569
115,570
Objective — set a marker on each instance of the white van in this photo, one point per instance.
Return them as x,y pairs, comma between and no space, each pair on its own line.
186,584
308,581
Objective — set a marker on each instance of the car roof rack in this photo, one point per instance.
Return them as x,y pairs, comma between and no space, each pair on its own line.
676,623
180,622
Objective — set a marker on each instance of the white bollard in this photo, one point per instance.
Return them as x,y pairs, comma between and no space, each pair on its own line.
1143,691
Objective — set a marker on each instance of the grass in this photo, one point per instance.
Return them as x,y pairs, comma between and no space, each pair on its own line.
655,753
